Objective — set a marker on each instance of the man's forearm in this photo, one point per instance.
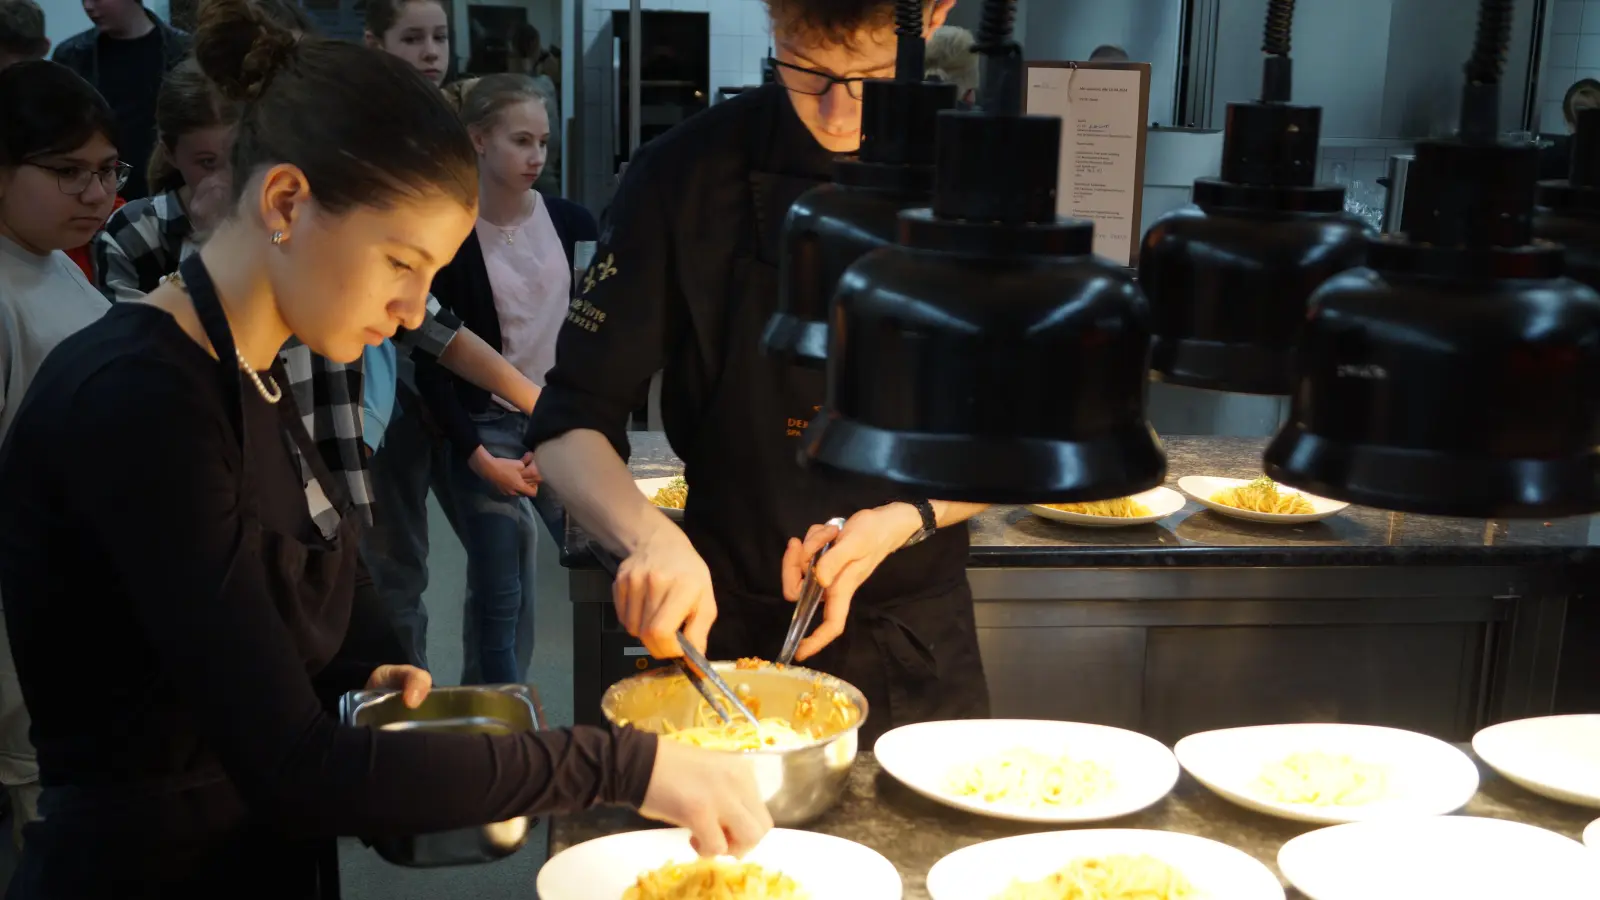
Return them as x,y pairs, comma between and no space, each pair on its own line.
949,512
597,490
471,357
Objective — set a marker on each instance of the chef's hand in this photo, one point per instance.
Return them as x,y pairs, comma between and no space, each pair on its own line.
867,539
505,474
530,471
663,587
700,791
412,683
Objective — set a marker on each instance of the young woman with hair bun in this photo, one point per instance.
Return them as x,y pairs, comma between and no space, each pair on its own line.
197,596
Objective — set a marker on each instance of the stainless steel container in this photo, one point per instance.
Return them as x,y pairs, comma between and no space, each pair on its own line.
499,709
797,783
1395,204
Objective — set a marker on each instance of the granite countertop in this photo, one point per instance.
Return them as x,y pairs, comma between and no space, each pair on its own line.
1195,536
914,832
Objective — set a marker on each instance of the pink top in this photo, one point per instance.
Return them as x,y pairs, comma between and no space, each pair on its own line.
532,284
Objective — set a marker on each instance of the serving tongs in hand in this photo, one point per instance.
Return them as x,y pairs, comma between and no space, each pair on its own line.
805,609
705,679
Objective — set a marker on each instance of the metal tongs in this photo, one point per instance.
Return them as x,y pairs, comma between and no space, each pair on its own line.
705,679
805,609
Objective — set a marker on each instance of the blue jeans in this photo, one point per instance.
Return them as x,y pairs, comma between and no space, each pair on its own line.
498,533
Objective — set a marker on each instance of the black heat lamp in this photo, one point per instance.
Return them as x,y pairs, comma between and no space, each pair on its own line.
988,355
1228,277
1568,212
1459,374
831,226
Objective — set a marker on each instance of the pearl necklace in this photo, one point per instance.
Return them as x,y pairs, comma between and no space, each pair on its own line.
270,394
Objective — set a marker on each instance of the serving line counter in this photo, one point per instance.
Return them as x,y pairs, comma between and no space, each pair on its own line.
1202,621
914,832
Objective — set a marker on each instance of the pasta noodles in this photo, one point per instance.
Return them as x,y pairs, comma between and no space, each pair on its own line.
1030,780
673,496
767,732
1263,496
714,879
1121,508
1107,878
764,734
1322,779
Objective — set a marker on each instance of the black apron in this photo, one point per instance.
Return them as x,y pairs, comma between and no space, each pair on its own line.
911,642
190,833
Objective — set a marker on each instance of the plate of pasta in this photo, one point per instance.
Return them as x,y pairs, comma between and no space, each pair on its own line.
1553,756
659,864
1030,770
1140,509
668,494
1331,773
1102,864
1258,500
1446,856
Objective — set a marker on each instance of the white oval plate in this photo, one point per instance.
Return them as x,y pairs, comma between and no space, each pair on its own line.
1448,856
1591,835
823,865
650,485
1424,776
922,756
1202,487
1553,756
1217,871
1162,502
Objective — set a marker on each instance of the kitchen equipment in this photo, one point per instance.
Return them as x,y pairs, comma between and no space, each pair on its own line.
695,667
497,709
797,783
1394,206
805,609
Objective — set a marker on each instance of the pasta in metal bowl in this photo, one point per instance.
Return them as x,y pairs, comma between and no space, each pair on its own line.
714,879
1117,877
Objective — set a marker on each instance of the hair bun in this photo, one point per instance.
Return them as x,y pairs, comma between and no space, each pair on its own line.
239,48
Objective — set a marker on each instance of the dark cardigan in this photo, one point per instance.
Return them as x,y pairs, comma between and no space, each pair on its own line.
463,287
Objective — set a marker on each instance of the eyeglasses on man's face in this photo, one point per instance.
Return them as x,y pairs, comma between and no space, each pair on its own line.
74,180
816,83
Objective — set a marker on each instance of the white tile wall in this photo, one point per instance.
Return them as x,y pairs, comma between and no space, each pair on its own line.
1572,52
740,39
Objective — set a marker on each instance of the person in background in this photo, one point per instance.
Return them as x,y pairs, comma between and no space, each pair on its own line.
1108,53
511,282
220,602
125,56
1555,150
417,31
22,35
529,57
59,172
950,59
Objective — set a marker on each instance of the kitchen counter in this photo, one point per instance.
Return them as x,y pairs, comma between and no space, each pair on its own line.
914,832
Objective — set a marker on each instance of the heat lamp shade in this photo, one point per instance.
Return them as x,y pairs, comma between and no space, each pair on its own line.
989,378
1229,289
1473,397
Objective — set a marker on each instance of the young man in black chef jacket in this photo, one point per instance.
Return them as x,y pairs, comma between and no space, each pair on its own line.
683,281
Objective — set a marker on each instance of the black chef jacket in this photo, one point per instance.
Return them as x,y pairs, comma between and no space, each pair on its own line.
683,282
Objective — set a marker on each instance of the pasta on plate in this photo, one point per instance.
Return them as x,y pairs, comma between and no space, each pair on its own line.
673,496
1114,877
1029,779
1322,779
1120,508
714,879
1262,496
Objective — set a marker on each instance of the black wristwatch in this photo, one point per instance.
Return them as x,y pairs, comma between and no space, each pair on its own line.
930,523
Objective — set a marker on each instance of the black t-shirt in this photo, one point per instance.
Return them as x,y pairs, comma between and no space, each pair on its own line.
130,74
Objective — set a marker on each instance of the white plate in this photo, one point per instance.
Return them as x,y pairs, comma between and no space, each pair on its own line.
824,866
1162,502
1424,776
922,756
650,485
1450,856
1217,871
1591,835
1553,756
1202,487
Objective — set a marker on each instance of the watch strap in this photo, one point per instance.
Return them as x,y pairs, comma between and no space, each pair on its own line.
930,522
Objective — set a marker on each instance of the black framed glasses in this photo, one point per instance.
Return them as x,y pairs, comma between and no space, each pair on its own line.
74,180
813,82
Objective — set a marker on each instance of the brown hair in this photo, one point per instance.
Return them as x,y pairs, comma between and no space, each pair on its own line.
187,102
22,28
831,21
366,128
486,98
380,15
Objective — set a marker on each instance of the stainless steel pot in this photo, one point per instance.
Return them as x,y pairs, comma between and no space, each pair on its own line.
797,783
498,709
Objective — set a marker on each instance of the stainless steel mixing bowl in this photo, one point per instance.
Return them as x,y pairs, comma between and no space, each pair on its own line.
797,783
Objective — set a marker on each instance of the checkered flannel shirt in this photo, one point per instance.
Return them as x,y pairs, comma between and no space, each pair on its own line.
146,239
